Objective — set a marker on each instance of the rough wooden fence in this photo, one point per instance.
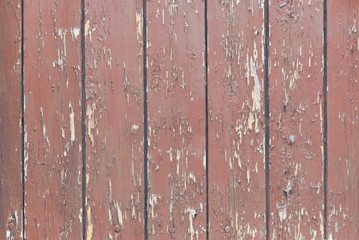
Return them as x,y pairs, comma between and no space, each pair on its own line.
248,128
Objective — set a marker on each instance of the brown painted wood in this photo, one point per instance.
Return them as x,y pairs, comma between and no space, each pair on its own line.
296,120
343,120
10,121
176,120
52,77
114,120
236,120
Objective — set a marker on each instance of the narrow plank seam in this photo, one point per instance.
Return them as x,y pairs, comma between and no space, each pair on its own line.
83,118
206,76
145,124
325,123
266,102
22,121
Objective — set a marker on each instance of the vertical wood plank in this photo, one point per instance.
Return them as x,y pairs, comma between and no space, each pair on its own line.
52,77
176,119
296,119
236,120
10,121
343,120
114,119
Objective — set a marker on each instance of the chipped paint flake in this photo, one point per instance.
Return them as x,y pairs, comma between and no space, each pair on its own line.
90,111
119,214
87,27
44,136
139,23
192,212
72,124
89,231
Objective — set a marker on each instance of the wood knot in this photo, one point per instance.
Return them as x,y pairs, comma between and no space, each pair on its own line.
117,229
172,230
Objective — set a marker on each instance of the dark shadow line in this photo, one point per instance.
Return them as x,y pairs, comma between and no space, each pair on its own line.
207,155
83,118
325,117
266,112
145,123
22,121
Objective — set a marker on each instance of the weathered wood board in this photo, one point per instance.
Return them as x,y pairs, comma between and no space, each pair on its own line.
52,88
114,119
11,222
296,119
76,101
236,120
343,120
176,120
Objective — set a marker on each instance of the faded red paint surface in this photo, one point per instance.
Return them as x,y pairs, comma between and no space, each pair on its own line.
176,120
114,120
343,120
296,115
236,120
52,77
10,120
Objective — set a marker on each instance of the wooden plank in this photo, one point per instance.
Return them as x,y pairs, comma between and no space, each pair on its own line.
343,120
10,121
52,77
236,120
296,120
176,120
114,120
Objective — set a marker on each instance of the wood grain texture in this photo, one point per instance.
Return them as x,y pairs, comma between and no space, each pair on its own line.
296,119
176,120
343,120
236,120
114,119
52,82
176,115
10,121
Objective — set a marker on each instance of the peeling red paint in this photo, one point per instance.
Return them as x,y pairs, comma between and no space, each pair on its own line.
176,119
114,119
176,115
236,120
296,120
343,120
10,121
52,87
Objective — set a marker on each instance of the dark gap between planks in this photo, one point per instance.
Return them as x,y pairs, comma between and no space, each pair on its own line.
266,107
22,121
325,120
83,118
206,90
145,124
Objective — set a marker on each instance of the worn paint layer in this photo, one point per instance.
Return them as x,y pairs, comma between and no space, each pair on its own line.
176,119
176,115
236,120
296,119
343,120
114,119
10,121
52,87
